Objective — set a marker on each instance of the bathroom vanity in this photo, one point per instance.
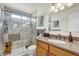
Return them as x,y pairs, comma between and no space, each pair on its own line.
52,47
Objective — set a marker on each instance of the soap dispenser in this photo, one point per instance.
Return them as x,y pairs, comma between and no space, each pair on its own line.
70,39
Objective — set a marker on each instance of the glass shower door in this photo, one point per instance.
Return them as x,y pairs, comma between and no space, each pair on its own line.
24,26
1,33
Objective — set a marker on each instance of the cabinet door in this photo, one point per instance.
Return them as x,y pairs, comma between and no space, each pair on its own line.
41,51
43,45
59,52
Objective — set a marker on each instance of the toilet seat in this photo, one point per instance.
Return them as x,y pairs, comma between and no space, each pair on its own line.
31,50
32,47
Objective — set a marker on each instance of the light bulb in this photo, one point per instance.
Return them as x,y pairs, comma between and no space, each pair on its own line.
58,5
52,8
69,4
62,8
56,10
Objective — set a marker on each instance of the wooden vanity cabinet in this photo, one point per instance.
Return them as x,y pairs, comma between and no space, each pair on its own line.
45,49
42,48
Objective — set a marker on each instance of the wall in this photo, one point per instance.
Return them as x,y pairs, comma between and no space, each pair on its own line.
46,22
63,18
25,34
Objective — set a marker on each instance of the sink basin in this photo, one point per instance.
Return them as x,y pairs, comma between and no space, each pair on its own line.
57,41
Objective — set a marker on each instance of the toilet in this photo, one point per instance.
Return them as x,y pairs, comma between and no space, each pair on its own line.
32,50
21,51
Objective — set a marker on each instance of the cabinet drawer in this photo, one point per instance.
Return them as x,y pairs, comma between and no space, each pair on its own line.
59,52
42,44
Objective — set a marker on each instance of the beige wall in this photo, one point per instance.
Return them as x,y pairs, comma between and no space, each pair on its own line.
63,18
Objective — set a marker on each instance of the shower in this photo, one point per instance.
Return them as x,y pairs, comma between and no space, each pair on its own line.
18,28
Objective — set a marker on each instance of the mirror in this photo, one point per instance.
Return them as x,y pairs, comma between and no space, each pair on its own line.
73,22
40,21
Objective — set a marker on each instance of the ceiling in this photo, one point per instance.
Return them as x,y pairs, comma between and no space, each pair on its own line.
30,8
36,9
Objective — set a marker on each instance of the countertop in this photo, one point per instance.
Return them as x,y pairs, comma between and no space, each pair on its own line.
72,47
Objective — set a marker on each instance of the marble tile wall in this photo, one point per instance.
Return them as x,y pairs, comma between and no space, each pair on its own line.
25,34
1,50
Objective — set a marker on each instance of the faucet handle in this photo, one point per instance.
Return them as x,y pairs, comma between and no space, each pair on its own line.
59,36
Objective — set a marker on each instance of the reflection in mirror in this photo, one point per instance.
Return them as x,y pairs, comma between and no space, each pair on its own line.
40,21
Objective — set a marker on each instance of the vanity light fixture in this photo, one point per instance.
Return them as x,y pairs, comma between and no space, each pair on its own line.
56,7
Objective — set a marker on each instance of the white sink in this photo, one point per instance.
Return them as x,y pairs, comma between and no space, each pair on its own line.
57,41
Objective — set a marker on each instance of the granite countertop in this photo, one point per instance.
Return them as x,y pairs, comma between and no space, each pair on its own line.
69,46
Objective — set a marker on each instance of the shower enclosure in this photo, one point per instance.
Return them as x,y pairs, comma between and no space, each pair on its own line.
1,34
15,22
